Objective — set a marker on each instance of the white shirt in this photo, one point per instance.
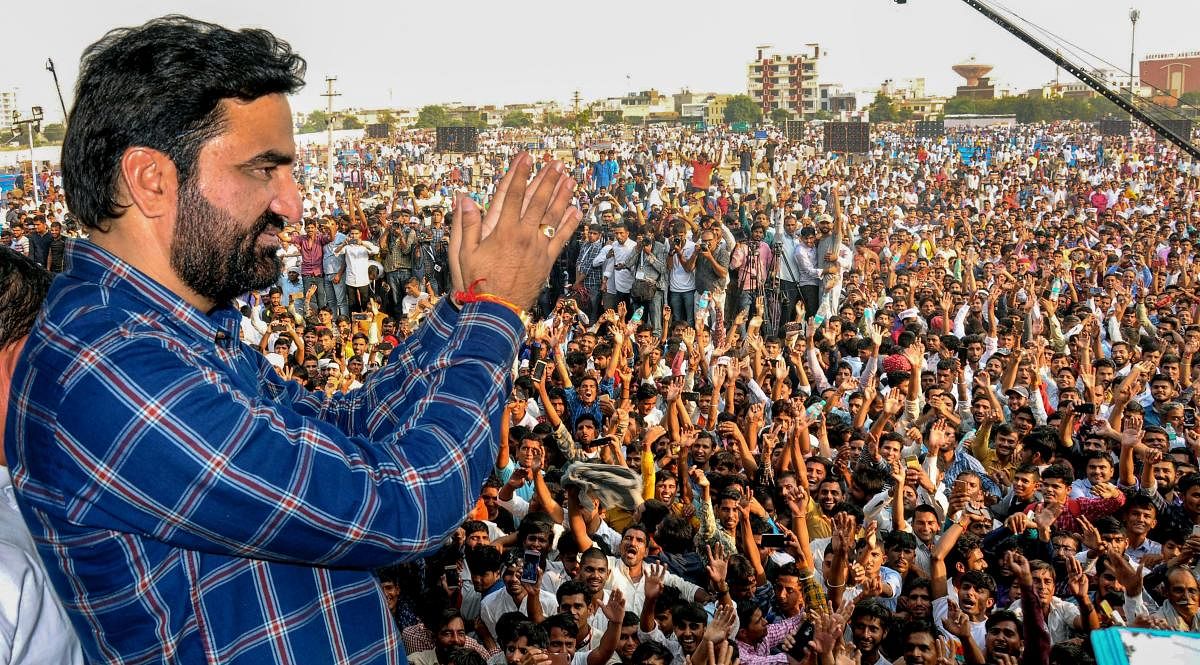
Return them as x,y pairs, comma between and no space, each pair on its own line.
500,602
683,280
358,259
33,625
620,280
635,592
1062,617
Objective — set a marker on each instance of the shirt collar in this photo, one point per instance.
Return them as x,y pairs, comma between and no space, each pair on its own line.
87,262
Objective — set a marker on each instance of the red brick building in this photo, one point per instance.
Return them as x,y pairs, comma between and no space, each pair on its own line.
1176,73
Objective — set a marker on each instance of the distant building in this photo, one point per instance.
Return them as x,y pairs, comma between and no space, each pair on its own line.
776,81
835,99
8,104
641,107
909,95
1175,73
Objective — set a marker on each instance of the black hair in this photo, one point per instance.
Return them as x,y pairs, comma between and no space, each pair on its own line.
535,635
466,656
25,287
573,588
920,626
873,608
484,559
689,612
1000,616
160,85
967,543
675,534
980,580
901,539
564,622
648,650
474,526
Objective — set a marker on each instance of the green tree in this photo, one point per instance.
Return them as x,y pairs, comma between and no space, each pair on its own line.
54,132
740,108
779,116
314,122
517,119
883,109
611,117
386,118
470,119
351,122
433,116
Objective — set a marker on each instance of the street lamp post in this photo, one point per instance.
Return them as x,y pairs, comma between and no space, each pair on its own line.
32,123
1134,15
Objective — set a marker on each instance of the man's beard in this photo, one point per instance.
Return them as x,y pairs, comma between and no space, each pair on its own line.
215,256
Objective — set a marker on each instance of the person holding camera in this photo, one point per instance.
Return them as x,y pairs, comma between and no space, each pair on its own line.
357,253
650,277
682,261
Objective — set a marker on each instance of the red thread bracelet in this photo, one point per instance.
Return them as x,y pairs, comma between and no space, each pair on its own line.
470,295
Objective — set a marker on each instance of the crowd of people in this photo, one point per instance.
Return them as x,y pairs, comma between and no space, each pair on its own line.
930,404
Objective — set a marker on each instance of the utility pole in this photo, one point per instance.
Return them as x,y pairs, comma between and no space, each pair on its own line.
575,98
329,95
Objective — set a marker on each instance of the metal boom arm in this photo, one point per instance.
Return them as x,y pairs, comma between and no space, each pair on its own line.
1092,82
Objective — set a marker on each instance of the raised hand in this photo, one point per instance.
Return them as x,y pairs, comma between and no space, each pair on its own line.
956,622
614,609
534,221
1088,533
1077,580
718,564
656,575
719,625
1019,565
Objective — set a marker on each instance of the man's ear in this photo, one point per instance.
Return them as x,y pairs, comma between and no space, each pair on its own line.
149,181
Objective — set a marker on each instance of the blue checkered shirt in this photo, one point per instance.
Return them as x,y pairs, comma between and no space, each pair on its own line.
192,507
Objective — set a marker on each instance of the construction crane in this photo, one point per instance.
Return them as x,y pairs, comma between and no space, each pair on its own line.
1131,104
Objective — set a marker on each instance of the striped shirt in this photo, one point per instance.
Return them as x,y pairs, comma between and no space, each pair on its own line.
193,507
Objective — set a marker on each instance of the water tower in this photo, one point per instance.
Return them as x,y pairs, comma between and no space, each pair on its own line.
978,85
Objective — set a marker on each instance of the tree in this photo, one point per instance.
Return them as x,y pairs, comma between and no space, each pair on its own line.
351,122
314,122
54,132
883,109
433,116
470,119
517,119
386,118
779,116
740,108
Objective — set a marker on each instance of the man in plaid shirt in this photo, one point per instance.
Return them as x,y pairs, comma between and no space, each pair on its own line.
587,274
189,503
